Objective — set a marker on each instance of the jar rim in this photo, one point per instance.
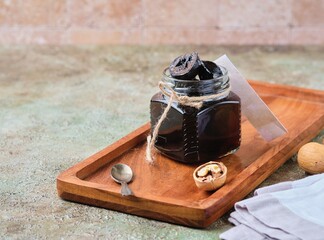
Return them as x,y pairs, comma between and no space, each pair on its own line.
166,75
197,87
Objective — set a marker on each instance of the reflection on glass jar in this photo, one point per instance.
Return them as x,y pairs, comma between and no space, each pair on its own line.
193,135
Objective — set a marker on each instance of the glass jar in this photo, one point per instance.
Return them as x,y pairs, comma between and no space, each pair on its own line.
194,135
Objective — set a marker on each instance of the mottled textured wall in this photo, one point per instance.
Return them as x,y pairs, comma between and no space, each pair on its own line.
162,21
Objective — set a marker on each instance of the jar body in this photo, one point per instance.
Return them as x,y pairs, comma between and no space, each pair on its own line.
193,135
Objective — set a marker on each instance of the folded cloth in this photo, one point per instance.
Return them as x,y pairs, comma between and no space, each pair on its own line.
288,210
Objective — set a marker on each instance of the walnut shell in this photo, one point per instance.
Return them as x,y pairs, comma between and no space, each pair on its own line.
310,158
213,183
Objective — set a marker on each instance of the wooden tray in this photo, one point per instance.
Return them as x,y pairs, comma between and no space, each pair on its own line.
166,191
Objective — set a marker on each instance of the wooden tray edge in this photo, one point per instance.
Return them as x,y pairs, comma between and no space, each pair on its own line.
97,160
308,94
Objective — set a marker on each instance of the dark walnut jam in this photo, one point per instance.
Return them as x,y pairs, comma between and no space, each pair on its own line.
195,135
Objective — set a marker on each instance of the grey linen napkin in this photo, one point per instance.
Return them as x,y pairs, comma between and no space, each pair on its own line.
288,210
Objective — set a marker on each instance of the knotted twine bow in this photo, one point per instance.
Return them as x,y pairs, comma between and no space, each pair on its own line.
195,102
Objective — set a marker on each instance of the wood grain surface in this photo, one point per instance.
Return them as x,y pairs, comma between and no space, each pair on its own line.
166,190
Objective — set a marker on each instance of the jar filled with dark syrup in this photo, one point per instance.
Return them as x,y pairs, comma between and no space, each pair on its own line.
192,135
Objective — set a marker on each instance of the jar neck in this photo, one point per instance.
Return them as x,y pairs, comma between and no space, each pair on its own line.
198,87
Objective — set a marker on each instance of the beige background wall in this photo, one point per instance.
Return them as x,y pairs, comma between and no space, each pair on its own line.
162,21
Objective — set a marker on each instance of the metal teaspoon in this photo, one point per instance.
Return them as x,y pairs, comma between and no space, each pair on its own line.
122,174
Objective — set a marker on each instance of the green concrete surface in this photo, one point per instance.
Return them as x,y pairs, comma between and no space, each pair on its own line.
59,105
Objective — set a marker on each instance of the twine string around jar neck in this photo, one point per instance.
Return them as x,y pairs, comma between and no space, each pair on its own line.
195,102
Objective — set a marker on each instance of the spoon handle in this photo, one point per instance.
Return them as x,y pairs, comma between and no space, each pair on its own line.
125,190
